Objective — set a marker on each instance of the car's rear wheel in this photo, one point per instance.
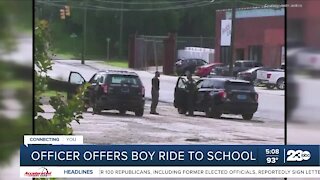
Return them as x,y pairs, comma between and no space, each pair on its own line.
280,84
85,107
209,112
182,111
96,106
96,109
122,111
247,116
216,115
139,112
270,86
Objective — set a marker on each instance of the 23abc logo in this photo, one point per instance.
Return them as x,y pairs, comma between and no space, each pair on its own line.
298,155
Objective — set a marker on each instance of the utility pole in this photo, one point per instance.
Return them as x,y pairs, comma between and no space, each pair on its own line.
121,30
233,18
84,32
155,54
108,47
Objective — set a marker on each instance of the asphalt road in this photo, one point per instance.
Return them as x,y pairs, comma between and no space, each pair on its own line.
271,102
267,126
172,128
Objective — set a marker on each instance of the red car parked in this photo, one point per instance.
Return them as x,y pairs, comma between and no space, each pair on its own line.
205,70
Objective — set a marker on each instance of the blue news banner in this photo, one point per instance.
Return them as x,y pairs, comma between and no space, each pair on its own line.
169,155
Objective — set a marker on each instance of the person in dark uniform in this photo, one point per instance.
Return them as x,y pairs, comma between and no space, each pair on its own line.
155,93
191,88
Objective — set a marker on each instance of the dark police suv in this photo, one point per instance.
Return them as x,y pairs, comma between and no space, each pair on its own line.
217,96
112,90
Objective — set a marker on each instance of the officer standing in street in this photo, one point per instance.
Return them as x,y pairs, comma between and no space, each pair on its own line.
155,93
191,89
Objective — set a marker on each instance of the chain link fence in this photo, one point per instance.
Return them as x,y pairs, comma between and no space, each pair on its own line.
150,50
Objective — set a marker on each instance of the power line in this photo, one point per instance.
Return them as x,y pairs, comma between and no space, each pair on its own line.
146,3
137,3
255,4
95,7
133,3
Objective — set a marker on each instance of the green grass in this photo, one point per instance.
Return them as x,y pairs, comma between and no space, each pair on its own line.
66,55
25,30
122,63
51,93
70,55
16,84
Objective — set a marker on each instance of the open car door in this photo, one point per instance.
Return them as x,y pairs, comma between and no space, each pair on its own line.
180,93
75,80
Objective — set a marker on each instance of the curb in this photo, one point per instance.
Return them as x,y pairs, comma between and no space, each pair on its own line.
90,66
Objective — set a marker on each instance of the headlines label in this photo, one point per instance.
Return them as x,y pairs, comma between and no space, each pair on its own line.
61,158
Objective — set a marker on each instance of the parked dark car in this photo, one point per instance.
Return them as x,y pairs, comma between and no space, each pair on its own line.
217,96
251,74
184,66
205,70
239,66
112,90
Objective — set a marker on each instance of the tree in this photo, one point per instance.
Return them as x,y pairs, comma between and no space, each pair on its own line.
65,111
11,130
102,23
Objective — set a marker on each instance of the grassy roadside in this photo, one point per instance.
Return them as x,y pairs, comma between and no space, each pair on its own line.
23,84
122,63
67,56
17,84
51,93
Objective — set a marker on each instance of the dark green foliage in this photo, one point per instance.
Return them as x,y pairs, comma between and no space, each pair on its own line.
65,112
12,130
197,21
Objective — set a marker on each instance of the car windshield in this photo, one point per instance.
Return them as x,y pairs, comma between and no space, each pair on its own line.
239,86
237,64
247,64
124,79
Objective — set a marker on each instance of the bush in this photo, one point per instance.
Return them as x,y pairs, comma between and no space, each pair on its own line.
65,112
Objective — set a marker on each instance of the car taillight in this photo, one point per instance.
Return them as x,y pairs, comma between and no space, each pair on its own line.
313,60
222,94
256,97
268,75
142,91
105,88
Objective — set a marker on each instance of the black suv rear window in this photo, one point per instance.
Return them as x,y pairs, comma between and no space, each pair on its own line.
239,86
211,83
124,79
